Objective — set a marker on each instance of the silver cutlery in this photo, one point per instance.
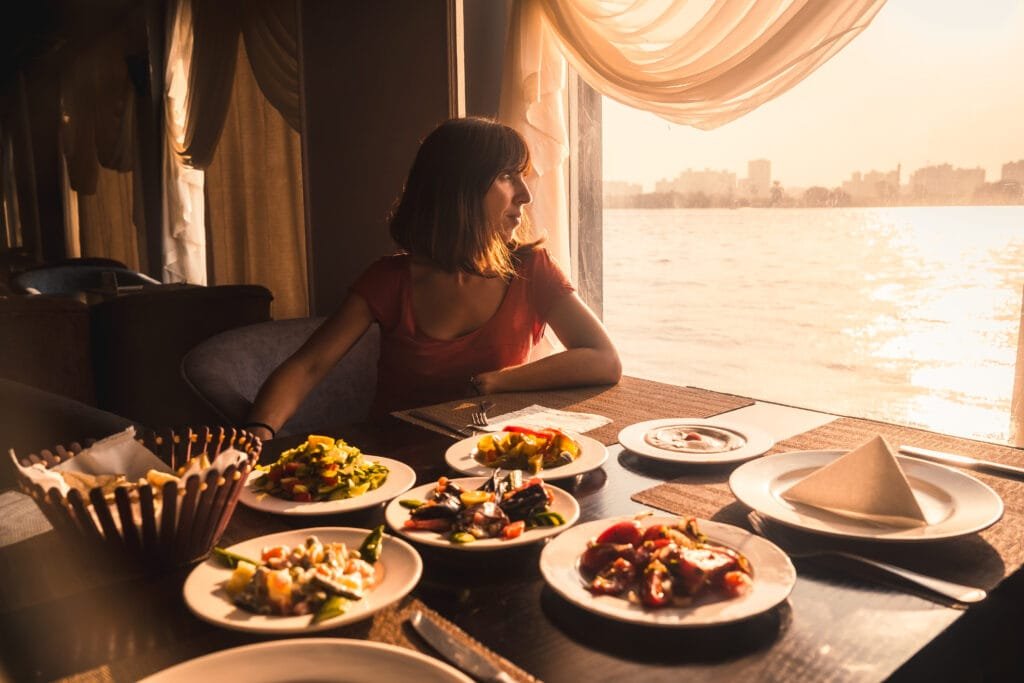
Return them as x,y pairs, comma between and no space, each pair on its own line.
459,654
948,589
479,416
430,419
996,468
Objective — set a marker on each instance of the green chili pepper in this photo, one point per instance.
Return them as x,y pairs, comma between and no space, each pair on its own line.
410,503
462,537
232,559
333,606
547,518
370,548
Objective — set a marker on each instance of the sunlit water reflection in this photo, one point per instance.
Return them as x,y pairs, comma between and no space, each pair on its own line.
908,315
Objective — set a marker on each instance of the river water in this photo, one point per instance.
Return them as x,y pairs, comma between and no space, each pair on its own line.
905,314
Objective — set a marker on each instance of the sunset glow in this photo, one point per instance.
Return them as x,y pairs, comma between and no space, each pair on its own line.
928,82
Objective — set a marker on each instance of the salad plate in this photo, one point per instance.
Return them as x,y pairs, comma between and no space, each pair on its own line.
400,479
712,441
773,577
207,598
593,454
954,503
396,515
312,659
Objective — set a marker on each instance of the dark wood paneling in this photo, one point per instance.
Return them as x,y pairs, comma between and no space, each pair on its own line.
375,82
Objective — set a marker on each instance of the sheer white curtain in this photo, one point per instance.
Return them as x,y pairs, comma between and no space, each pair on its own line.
200,68
184,228
696,62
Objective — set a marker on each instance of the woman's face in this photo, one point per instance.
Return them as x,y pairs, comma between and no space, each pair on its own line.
503,203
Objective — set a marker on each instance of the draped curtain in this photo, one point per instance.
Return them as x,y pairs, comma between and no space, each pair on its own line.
698,63
233,153
199,71
98,142
254,188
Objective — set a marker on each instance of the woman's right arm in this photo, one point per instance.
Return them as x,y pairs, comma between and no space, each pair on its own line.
284,390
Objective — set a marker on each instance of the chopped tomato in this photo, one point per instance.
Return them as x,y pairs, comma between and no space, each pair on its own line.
656,587
736,583
546,434
274,552
513,530
655,532
428,524
302,496
622,532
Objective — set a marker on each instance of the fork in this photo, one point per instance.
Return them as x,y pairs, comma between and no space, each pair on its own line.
479,416
954,591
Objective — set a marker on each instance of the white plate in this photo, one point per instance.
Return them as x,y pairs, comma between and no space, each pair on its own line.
593,454
400,479
312,659
756,441
396,515
774,577
954,503
205,595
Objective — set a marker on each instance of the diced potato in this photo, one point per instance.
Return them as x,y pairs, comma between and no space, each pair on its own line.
239,578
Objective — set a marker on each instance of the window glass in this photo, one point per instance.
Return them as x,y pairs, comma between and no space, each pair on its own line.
855,246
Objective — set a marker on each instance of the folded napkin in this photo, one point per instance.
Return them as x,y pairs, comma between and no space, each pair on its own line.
866,483
539,417
117,455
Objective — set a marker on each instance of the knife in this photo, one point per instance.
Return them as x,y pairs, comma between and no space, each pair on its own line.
462,656
996,468
430,419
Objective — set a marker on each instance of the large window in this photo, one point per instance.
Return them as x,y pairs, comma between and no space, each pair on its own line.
856,245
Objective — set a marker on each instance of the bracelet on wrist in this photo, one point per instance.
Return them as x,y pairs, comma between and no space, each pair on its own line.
475,382
264,425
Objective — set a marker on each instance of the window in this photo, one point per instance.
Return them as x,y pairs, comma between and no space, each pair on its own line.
855,246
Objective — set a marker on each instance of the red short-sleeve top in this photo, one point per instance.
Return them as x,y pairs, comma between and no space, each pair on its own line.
415,369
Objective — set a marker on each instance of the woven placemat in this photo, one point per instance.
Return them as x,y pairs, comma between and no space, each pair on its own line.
982,559
631,400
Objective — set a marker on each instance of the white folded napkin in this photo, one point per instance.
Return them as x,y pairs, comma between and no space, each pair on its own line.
539,417
866,483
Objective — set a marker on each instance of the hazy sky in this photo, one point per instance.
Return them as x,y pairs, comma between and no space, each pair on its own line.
928,82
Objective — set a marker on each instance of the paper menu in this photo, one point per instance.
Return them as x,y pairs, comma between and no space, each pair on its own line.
866,483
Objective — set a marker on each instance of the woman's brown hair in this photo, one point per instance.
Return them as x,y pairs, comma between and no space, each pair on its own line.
440,215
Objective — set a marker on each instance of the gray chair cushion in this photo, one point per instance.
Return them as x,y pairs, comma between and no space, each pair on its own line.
227,371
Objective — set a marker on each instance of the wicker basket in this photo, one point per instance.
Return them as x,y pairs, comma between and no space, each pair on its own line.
145,531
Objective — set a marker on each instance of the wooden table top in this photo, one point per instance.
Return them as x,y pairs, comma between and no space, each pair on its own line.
836,625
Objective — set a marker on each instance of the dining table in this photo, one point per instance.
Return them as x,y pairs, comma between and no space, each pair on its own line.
73,618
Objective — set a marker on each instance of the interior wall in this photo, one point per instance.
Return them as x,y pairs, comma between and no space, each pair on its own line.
375,82
486,27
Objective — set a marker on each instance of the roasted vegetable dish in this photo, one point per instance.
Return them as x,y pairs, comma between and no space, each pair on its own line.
522,448
502,507
312,578
663,565
321,468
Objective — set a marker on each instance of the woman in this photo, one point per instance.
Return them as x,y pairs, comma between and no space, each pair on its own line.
464,302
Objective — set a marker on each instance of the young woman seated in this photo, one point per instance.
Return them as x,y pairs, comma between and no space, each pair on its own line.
465,301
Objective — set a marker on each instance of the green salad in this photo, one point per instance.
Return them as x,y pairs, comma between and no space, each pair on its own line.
321,468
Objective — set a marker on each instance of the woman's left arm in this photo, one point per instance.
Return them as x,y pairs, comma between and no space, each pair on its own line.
589,357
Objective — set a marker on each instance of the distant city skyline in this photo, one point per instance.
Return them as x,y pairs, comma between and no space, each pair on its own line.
929,82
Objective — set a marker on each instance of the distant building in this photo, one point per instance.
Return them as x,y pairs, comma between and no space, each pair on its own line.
1013,170
758,183
708,182
873,186
618,194
945,183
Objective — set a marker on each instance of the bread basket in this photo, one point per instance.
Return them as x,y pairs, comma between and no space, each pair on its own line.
136,522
